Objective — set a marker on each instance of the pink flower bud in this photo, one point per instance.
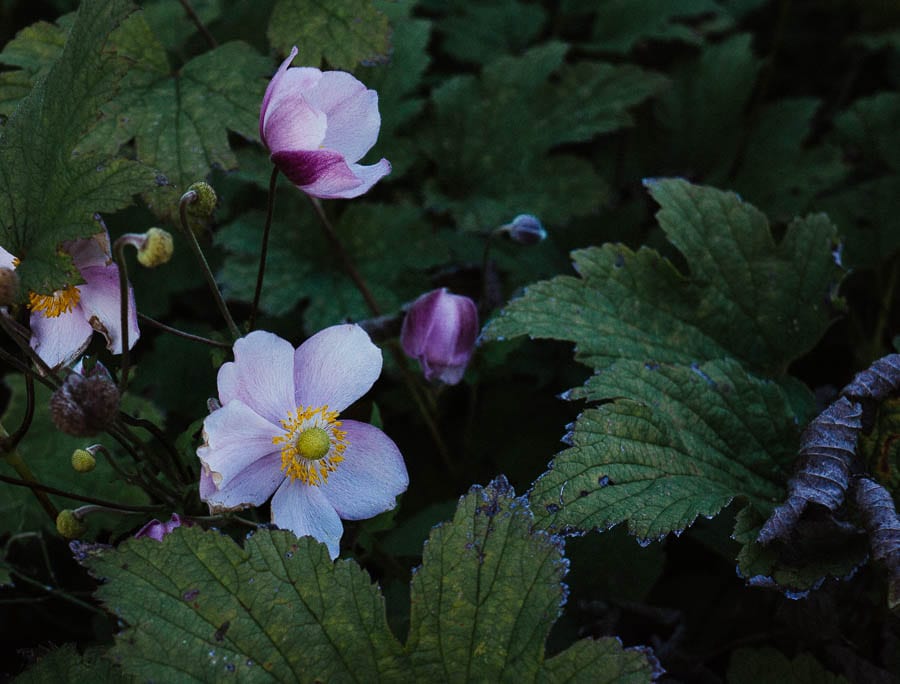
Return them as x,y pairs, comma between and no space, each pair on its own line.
440,330
157,530
317,125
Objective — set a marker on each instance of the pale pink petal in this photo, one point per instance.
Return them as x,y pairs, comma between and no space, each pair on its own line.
101,304
273,87
294,125
371,475
250,487
352,110
59,340
335,367
326,174
90,252
7,260
234,438
261,375
305,511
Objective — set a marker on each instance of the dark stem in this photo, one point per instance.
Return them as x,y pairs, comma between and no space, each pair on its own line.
119,253
47,489
11,442
181,333
154,430
264,249
10,327
188,198
198,22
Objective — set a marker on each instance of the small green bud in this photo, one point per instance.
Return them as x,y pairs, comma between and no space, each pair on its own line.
200,211
83,461
9,286
157,248
68,525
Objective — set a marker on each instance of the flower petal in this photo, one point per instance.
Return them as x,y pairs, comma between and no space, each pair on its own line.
59,340
371,475
234,438
90,252
352,111
261,375
100,302
7,260
335,367
273,88
305,511
294,124
326,174
250,487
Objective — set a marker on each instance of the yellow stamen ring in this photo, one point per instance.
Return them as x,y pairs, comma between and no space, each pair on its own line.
56,304
312,445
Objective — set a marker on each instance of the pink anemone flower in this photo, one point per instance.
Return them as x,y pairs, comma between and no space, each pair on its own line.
278,432
317,125
62,323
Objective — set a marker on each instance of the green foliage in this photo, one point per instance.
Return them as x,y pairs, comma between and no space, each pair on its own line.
34,49
343,33
494,176
49,193
48,454
769,666
201,607
66,664
744,295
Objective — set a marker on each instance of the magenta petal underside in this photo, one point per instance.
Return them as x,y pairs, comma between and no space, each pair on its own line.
326,174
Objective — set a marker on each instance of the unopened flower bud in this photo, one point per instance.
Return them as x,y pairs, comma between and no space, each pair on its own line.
439,331
83,461
200,211
69,525
9,286
525,229
157,530
157,248
85,404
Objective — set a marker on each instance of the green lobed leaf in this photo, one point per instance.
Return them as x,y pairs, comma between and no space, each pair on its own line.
770,666
33,50
674,442
49,190
744,295
343,33
66,664
48,453
170,22
510,119
201,608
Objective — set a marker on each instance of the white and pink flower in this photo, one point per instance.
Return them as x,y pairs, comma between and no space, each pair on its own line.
317,125
62,323
278,433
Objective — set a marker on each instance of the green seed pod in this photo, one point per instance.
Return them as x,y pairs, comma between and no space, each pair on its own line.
68,525
200,211
157,248
83,461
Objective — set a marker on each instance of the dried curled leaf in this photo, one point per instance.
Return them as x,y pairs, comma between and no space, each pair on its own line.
877,382
883,525
827,452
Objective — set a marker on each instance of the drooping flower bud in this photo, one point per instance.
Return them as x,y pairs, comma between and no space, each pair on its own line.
200,211
85,403
83,461
9,286
157,530
525,229
156,249
439,331
69,525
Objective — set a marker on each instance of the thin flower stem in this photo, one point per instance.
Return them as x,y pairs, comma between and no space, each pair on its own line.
14,458
10,327
43,489
24,368
264,249
11,442
57,593
119,255
188,198
198,22
181,333
344,257
183,475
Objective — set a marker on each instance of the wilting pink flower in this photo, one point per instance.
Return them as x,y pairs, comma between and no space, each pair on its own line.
157,530
62,323
440,330
317,125
278,431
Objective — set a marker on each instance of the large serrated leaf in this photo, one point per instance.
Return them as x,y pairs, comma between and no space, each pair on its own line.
201,608
49,192
769,666
66,664
744,295
344,33
678,442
